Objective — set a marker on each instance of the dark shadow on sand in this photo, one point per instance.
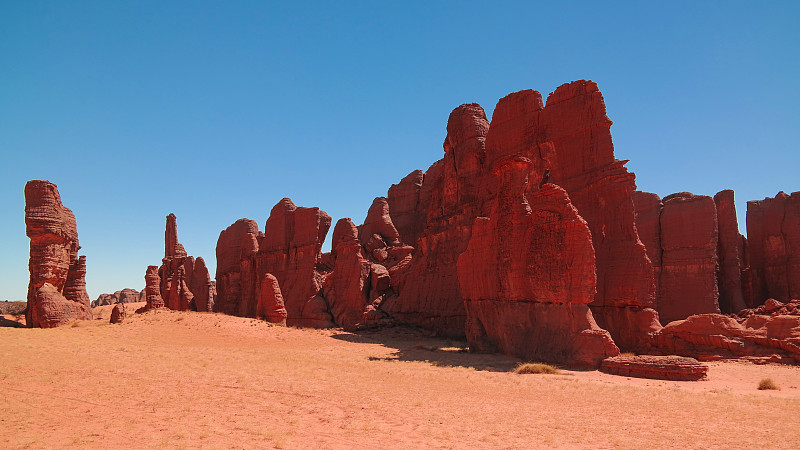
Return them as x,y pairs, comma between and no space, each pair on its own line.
10,323
410,344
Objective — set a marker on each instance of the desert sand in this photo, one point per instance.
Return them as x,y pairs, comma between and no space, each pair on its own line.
184,379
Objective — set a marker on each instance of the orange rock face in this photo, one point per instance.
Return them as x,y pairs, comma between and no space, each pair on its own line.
185,282
712,336
689,262
289,249
270,301
731,254
153,289
675,368
57,287
528,274
773,249
119,313
569,143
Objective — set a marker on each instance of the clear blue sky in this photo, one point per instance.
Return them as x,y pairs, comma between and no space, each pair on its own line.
217,110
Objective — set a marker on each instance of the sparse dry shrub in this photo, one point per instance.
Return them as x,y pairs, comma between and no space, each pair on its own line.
767,384
527,368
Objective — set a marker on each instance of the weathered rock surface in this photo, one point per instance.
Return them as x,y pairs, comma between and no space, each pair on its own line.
450,198
730,249
648,226
152,290
406,214
347,288
289,249
773,249
675,368
237,243
528,274
57,287
714,336
696,251
270,301
773,308
126,295
689,263
119,313
185,282
568,142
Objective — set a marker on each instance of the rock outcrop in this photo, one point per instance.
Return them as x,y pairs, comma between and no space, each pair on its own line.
57,288
185,282
237,243
404,208
527,236
152,289
696,250
119,313
773,249
689,263
528,275
674,368
714,336
569,144
126,295
270,301
346,289
289,249
451,196
730,249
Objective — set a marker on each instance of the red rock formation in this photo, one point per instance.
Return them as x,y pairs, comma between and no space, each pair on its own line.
648,227
688,283
574,121
53,260
451,196
202,287
49,308
118,314
289,249
173,248
730,248
771,308
404,208
714,336
152,289
270,301
675,368
773,249
237,243
347,287
568,140
528,274
126,295
183,278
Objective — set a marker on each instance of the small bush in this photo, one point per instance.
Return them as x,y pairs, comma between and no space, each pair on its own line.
767,385
535,368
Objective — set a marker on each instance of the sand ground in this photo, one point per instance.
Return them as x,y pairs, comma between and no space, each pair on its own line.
187,380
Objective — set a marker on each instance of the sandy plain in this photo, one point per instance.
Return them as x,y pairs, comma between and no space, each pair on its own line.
172,379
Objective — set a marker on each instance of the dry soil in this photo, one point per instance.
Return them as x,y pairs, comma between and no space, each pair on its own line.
180,379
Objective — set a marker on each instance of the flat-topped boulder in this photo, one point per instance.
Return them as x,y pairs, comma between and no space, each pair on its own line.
672,367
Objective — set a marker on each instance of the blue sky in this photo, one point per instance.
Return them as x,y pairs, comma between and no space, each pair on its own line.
217,110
